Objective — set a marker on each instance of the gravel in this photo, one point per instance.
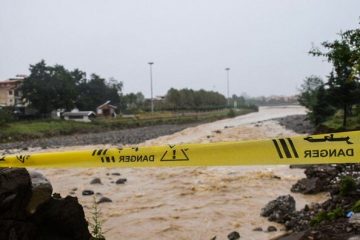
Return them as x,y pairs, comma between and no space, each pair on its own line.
125,136
297,123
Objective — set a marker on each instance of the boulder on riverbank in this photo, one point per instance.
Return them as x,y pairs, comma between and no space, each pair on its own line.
27,211
41,191
278,210
336,218
325,178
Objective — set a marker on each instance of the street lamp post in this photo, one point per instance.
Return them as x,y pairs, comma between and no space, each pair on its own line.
151,87
227,78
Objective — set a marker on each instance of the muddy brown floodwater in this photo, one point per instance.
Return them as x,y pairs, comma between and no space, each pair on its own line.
191,202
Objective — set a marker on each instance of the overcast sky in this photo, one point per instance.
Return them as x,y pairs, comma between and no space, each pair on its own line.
191,42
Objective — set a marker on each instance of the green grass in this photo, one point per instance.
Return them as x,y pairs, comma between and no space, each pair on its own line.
335,122
26,130
347,185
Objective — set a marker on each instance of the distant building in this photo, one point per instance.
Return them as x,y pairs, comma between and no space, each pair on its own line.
80,116
106,110
10,95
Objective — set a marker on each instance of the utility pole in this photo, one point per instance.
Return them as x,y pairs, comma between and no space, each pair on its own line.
227,78
151,87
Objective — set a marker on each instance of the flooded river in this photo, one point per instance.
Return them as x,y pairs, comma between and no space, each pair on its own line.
191,203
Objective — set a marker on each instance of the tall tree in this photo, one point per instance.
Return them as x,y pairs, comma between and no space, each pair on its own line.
343,82
48,88
53,87
96,91
309,90
315,98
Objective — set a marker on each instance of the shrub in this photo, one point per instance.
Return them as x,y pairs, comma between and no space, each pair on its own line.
337,213
321,216
5,116
347,185
329,216
96,224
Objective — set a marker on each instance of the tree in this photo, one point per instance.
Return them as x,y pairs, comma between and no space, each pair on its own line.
309,90
321,109
53,87
315,98
173,98
188,99
343,82
48,88
96,90
5,116
140,99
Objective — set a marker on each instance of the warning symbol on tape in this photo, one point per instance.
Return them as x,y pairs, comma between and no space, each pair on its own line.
175,154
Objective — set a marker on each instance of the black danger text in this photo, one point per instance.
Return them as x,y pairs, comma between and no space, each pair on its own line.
329,153
138,158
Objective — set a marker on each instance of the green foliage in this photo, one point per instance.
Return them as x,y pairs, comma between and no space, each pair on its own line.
356,207
336,213
132,102
327,216
50,87
188,99
347,185
96,91
96,224
24,130
321,216
5,117
321,110
335,122
53,87
309,91
343,87
314,97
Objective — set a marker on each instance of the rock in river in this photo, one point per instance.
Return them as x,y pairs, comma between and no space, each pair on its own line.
104,200
88,192
278,210
96,181
234,236
121,181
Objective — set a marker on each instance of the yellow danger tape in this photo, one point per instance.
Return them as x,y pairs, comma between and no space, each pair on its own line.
318,149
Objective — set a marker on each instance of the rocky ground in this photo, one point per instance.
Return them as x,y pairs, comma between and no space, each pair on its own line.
337,218
125,136
297,123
